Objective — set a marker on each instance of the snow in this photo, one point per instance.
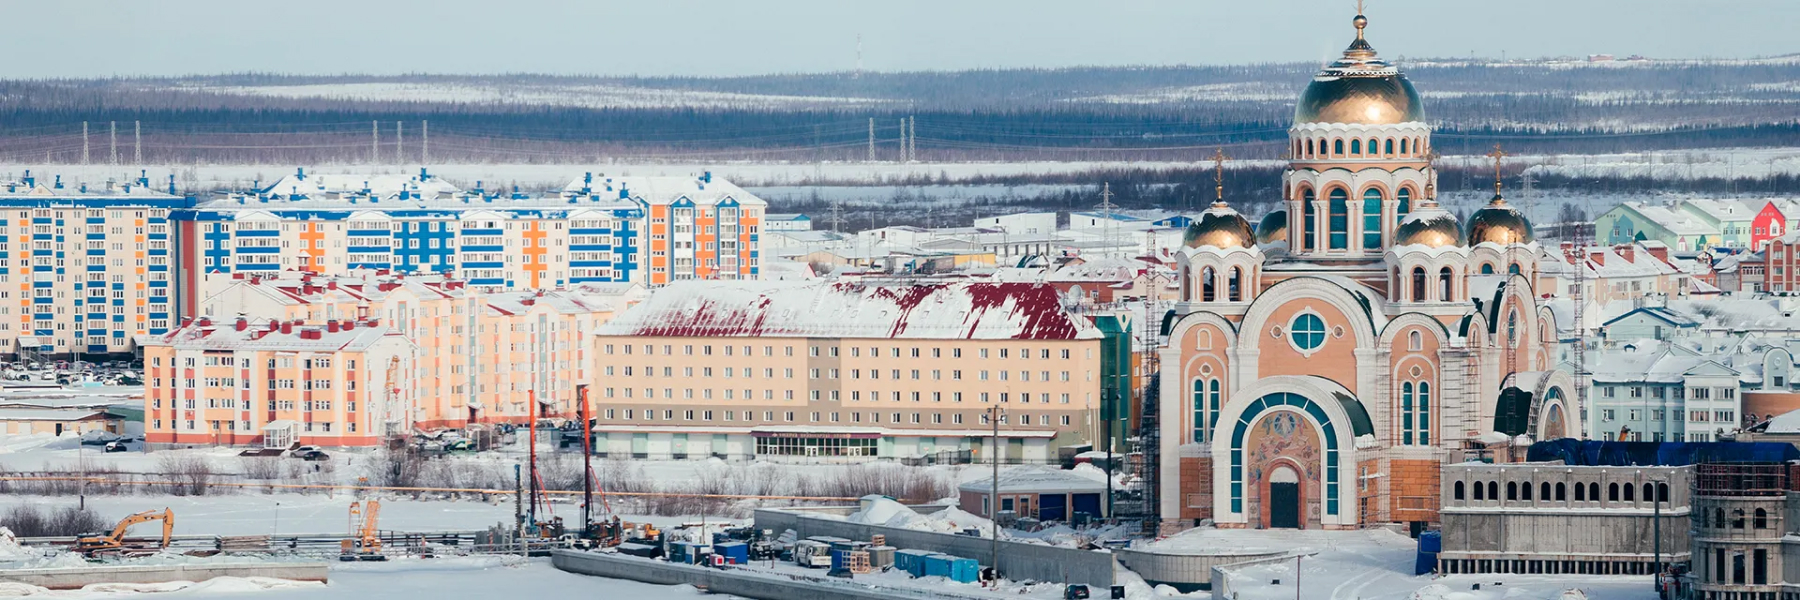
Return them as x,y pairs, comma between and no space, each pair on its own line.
525,94
211,588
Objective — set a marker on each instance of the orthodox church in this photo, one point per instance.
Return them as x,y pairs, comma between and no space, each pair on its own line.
1320,368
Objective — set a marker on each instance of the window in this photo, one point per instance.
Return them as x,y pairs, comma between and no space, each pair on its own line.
1372,219
1339,224
1206,407
1307,332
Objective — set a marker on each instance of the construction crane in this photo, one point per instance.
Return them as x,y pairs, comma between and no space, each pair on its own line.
110,543
364,543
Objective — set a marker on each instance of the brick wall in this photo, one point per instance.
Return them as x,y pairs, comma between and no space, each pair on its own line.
1196,488
1413,490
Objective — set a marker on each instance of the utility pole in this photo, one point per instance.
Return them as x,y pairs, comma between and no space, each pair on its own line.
587,460
912,139
994,495
374,142
84,142
424,142
137,142
519,509
871,139
112,135
858,74
1656,523
399,144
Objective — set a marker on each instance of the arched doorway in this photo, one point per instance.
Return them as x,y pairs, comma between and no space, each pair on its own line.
1284,498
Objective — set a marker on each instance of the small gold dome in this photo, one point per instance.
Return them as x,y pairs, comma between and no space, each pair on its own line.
1359,89
1273,228
1501,224
1219,227
1432,227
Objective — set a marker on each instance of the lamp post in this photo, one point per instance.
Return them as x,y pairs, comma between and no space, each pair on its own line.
994,493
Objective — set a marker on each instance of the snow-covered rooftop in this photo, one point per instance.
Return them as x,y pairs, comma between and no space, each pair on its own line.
992,311
1046,480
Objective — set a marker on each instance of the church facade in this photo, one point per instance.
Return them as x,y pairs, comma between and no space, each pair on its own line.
1322,367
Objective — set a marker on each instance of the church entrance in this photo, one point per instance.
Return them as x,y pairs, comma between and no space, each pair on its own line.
1284,499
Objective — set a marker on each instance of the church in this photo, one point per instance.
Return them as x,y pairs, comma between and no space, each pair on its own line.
1321,367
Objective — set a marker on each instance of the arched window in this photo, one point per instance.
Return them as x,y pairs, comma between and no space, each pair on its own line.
1562,492
1513,269
1406,413
1403,204
1424,413
1580,493
1371,219
1212,404
1337,147
1479,495
1388,147
1493,490
1459,491
1525,491
1415,341
1628,493
1445,292
1418,284
1737,519
1594,492
1235,285
1403,145
1544,491
1512,490
1612,492
1340,219
1662,492
1487,268
1355,147
1208,293
1512,339
1649,492
1206,408
1762,519
1309,222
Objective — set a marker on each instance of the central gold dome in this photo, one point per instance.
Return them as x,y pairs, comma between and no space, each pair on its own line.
1359,89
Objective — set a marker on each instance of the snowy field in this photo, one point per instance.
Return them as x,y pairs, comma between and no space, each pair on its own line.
518,94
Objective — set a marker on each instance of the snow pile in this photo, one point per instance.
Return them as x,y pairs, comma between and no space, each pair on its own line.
885,511
953,519
9,545
218,585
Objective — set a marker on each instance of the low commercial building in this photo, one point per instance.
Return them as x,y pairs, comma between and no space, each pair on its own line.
1551,517
15,420
846,371
1042,494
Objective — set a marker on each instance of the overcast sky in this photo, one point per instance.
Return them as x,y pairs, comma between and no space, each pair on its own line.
91,38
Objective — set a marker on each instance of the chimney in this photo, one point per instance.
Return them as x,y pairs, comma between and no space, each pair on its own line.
349,325
311,333
204,322
1627,251
287,327
1598,256
242,323
272,325
331,285
331,326
1660,252
186,321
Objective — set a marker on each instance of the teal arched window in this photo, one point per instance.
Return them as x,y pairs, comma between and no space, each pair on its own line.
1371,219
1340,219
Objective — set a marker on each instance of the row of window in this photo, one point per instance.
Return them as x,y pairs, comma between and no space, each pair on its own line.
768,416
310,427
306,406
836,351
1659,392
788,373
836,395
1657,414
1558,492
1371,148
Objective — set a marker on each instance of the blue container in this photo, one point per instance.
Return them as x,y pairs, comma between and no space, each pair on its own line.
1427,563
965,570
1431,541
938,565
737,553
911,561
837,559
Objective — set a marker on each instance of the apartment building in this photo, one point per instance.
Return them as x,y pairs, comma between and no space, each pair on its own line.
277,383
845,371
693,227
84,268
481,356
1663,391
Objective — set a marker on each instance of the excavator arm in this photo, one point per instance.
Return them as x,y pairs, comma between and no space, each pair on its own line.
116,539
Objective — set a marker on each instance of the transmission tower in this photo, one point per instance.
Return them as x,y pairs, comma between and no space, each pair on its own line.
84,142
871,139
1108,227
137,142
112,136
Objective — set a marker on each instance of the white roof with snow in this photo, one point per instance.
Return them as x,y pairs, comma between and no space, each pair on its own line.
1038,481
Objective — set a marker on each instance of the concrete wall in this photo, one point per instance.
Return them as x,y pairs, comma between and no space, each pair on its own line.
749,584
1590,528
1185,572
1017,561
1221,577
68,579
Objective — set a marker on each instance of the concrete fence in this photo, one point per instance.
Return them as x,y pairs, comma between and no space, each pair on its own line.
762,585
1018,562
66,579
1188,572
1221,580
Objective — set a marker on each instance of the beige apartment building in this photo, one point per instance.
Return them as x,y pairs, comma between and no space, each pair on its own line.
845,371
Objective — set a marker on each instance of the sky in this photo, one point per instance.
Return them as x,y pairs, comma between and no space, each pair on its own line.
104,38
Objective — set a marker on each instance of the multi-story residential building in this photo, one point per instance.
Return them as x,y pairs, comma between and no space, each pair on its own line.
84,269
693,227
1733,219
1635,221
481,356
1781,267
845,371
1662,391
278,383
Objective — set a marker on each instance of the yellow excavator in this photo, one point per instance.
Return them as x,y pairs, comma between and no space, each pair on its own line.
114,543
364,542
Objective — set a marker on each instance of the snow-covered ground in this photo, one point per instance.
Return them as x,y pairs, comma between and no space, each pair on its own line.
1377,564
517,94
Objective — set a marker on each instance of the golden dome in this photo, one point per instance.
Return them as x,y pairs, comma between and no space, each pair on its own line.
1273,228
1219,227
1359,89
1501,224
1429,226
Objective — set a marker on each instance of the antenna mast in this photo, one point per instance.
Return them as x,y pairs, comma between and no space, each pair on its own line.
1108,227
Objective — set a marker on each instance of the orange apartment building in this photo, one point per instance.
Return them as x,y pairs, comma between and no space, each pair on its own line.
845,372
277,383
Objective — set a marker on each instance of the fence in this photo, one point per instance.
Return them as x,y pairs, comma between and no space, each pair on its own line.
1019,562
